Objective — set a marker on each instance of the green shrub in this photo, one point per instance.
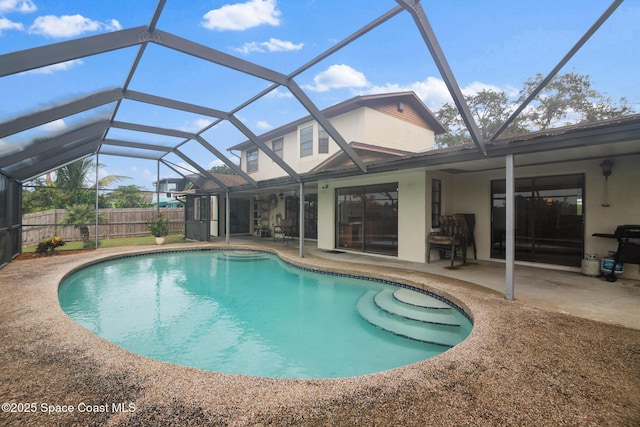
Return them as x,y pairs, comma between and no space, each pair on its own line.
49,245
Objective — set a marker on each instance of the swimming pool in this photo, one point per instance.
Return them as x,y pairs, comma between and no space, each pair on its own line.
246,312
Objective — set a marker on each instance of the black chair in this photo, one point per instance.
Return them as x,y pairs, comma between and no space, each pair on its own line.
285,230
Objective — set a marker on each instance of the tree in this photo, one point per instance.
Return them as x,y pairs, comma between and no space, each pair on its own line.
38,195
223,169
489,109
566,99
68,188
80,216
127,196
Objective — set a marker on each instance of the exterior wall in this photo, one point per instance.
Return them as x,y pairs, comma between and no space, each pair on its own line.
386,131
362,125
620,191
471,193
411,211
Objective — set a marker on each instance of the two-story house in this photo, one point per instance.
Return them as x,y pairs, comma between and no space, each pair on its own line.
377,128
561,192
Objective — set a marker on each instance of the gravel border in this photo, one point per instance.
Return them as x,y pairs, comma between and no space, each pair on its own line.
520,366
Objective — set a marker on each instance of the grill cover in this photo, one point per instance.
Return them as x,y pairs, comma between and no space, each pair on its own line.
628,243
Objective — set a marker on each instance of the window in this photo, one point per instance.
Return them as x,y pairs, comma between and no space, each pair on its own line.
323,141
436,202
252,160
548,219
276,145
367,218
306,141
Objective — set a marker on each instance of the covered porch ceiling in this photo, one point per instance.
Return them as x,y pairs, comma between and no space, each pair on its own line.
101,128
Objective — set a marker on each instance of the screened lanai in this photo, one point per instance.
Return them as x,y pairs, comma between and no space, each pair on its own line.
167,89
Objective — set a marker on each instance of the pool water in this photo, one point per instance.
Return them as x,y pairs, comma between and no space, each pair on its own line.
238,312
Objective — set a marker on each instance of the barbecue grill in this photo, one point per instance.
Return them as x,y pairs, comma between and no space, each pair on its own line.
628,237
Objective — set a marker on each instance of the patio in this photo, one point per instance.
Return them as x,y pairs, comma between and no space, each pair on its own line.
525,363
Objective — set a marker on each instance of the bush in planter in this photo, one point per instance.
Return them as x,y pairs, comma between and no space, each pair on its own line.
49,245
159,227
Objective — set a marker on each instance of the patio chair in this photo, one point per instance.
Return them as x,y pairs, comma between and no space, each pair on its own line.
284,230
452,237
469,223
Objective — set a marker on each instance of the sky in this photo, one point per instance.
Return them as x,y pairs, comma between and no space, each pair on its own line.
489,44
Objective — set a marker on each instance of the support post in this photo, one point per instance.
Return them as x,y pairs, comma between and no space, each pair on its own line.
227,216
301,221
158,190
510,229
97,196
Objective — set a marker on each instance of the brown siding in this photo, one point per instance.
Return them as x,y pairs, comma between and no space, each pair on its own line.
408,114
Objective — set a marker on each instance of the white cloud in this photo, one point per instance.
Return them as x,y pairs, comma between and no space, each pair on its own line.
196,125
337,77
54,126
277,45
433,90
247,48
263,125
242,16
6,24
476,87
69,26
5,146
50,69
278,93
273,45
112,25
24,6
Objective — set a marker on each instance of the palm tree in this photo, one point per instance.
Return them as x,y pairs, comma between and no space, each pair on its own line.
72,178
80,216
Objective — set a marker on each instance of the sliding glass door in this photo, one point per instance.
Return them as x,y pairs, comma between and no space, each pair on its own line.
549,219
292,210
367,218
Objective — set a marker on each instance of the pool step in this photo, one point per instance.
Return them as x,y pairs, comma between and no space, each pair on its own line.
418,299
387,301
433,333
242,256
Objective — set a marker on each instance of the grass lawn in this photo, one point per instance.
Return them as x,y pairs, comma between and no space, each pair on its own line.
112,243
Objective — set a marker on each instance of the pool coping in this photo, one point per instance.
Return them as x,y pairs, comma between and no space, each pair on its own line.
41,343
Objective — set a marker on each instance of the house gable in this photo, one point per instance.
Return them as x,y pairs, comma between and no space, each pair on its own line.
397,122
368,154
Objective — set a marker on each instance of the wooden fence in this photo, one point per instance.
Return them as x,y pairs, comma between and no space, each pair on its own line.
119,223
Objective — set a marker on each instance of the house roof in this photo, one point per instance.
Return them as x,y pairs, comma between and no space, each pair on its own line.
396,99
369,153
610,138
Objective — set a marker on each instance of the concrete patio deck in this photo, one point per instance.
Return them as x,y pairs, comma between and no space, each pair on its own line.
561,290
523,364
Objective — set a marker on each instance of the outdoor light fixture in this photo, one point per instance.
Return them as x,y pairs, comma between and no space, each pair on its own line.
606,166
